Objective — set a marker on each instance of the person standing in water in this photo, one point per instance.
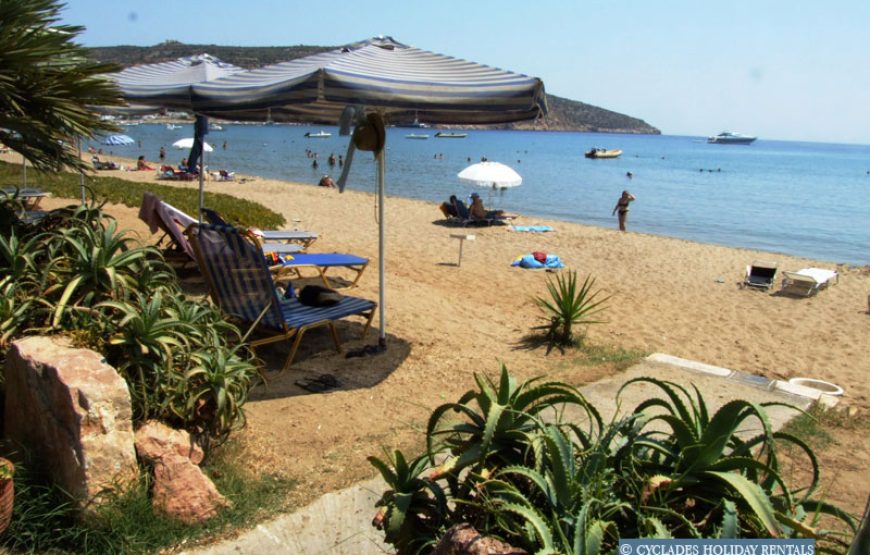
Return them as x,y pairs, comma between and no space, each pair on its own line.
622,208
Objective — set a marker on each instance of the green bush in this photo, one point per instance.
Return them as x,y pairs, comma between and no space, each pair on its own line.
569,307
516,467
74,272
129,193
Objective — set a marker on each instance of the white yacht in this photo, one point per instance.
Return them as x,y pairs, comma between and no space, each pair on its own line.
728,138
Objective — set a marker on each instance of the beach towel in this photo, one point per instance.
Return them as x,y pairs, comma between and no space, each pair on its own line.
538,228
528,262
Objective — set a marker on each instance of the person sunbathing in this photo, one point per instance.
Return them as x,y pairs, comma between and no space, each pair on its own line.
142,165
448,208
478,212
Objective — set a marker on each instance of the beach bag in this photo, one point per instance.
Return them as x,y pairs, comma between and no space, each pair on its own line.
316,295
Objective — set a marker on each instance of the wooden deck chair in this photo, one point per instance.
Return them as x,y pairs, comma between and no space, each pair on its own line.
807,281
304,238
241,284
761,274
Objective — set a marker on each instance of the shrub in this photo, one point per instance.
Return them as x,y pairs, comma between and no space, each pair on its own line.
569,307
576,485
74,272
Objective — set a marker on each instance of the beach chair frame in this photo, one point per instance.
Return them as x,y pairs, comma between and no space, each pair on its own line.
304,238
240,283
803,285
761,274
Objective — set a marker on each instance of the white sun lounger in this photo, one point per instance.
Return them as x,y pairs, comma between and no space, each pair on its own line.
807,281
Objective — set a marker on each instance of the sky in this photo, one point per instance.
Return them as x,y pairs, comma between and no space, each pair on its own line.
792,70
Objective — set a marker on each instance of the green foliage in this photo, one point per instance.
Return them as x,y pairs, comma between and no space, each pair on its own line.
73,272
44,519
571,484
568,307
47,85
129,193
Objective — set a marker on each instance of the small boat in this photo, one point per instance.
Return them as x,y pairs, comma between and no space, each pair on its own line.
172,126
728,138
416,136
215,127
318,135
603,153
441,135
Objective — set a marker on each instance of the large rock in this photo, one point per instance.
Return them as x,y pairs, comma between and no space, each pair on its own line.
181,490
463,539
73,412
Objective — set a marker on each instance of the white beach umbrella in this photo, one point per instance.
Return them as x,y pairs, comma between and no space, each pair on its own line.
490,174
187,144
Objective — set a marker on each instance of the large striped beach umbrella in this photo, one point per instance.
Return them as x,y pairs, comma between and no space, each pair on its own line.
369,84
169,85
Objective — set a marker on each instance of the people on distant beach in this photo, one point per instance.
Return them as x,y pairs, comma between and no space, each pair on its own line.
448,208
332,159
183,165
225,144
314,164
142,165
629,175
326,181
162,154
622,208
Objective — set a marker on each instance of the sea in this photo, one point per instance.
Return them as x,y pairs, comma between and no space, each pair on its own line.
799,198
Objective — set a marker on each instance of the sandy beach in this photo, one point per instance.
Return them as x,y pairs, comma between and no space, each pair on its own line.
446,322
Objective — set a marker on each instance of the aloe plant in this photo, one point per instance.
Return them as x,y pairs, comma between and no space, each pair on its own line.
574,485
569,307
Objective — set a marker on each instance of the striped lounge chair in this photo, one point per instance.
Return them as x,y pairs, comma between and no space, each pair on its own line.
304,238
241,284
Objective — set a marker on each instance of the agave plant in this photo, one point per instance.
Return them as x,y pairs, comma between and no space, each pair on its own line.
670,468
569,307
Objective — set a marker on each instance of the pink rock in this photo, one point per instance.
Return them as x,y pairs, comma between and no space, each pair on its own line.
73,412
181,490
155,439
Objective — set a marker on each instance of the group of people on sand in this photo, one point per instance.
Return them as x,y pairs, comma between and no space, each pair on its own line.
452,208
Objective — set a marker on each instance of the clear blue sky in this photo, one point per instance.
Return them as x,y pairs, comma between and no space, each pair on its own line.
779,69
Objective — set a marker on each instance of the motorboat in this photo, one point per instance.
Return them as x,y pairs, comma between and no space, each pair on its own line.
172,126
215,127
441,135
603,153
318,135
728,138
417,136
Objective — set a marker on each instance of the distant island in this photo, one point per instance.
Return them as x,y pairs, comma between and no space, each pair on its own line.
564,115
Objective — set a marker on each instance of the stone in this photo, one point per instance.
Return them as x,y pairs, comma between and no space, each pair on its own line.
463,539
72,411
154,439
181,490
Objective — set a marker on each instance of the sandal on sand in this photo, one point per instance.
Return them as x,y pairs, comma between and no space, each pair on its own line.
320,384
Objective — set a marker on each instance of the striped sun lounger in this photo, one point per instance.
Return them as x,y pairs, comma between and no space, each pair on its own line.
304,238
241,284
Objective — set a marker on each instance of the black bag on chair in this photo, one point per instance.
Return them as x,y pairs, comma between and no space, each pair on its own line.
316,295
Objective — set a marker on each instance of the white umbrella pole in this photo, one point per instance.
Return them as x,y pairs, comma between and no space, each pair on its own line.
382,339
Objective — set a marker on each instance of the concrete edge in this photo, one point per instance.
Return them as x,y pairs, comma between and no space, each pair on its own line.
814,395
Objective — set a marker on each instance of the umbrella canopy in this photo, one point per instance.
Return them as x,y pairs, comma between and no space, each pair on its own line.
402,82
118,140
490,174
167,84
188,143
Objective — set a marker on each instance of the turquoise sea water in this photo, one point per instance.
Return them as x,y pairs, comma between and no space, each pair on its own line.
805,199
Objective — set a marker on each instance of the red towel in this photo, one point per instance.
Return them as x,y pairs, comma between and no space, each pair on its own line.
540,256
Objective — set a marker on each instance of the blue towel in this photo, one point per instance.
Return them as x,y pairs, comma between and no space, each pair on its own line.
528,261
532,228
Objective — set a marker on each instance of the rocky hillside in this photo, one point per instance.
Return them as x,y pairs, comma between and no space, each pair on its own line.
565,114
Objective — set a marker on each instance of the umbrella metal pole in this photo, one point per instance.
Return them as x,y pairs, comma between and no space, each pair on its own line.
201,188
81,172
382,339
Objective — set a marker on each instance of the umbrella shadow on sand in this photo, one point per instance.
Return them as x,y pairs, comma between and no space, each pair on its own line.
319,369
